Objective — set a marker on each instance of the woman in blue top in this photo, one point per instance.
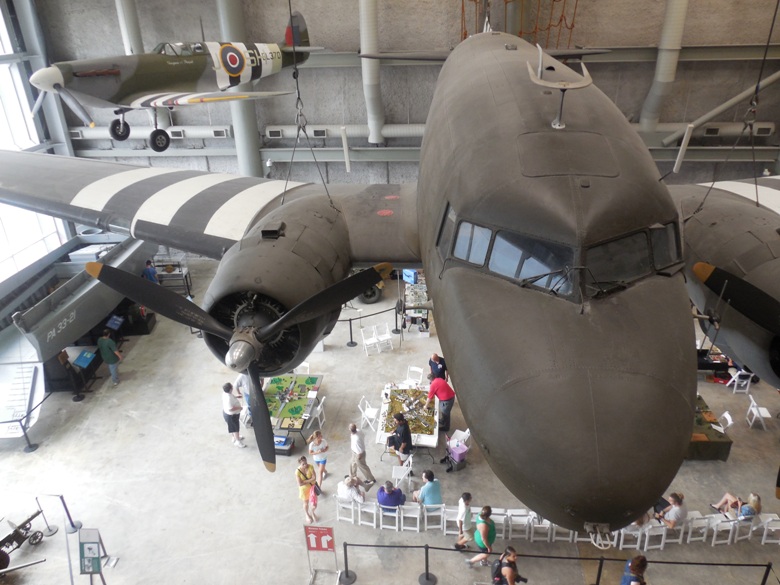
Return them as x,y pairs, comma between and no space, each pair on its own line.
744,509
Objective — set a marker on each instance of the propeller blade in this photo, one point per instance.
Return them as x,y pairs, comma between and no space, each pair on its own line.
158,299
328,300
757,305
74,105
38,103
264,432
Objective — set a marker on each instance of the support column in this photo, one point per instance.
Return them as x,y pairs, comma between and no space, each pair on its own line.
129,27
370,69
231,25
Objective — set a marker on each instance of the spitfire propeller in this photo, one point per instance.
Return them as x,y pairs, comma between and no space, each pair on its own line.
246,342
748,299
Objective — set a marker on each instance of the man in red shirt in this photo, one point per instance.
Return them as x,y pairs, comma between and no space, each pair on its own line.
446,395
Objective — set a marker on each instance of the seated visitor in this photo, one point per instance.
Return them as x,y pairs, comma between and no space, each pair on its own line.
391,496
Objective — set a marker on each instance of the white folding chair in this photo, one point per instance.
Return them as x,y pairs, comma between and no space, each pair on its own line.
410,517
743,528
698,528
345,510
741,382
559,533
650,533
366,514
318,414
518,520
384,336
450,522
370,340
499,516
771,529
539,528
677,534
725,420
401,472
756,412
722,528
414,376
389,518
368,413
627,533
433,517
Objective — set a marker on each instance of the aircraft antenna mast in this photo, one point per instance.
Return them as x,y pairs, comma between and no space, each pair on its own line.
562,86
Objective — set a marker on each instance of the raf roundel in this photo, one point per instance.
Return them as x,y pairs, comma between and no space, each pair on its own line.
232,60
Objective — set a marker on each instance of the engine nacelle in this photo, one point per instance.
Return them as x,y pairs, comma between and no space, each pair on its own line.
288,256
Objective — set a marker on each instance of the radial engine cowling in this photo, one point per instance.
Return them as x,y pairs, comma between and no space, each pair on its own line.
290,255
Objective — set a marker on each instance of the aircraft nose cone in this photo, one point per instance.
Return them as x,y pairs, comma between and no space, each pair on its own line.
614,442
45,79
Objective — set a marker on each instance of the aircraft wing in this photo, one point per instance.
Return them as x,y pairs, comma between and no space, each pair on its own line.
443,54
170,100
201,212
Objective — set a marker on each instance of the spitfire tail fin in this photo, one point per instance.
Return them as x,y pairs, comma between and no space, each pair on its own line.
296,33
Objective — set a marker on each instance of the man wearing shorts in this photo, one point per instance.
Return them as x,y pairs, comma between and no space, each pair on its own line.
401,439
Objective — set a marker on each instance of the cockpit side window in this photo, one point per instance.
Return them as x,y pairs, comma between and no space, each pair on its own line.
665,248
471,243
446,232
616,263
537,262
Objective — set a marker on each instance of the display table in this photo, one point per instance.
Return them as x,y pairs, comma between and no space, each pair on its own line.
706,442
291,399
423,423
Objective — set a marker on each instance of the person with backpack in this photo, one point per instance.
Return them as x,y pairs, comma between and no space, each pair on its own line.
504,569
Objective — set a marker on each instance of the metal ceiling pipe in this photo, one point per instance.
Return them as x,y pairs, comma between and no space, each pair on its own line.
243,113
129,27
666,65
370,67
352,130
766,82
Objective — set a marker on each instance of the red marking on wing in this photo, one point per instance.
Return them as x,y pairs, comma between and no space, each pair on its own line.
392,197
385,212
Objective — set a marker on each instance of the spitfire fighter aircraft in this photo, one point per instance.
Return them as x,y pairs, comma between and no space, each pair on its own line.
174,74
553,257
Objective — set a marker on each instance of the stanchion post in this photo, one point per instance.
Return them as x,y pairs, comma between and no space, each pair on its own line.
598,572
30,446
766,573
347,577
351,342
397,331
427,578
50,530
72,526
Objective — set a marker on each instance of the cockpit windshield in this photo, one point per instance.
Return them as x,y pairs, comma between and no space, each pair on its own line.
532,261
178,49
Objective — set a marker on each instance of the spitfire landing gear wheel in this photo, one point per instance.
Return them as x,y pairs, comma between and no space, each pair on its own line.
5,560
119,130
159,140
36,537
371,295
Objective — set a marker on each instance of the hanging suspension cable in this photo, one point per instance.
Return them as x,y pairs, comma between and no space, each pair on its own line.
749,120
300,122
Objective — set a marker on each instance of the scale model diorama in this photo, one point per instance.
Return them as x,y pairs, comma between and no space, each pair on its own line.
556,260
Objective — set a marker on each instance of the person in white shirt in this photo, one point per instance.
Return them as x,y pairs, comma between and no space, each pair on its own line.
350,490
465,530
231,408
358,445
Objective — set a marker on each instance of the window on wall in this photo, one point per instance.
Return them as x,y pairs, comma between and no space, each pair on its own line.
24,236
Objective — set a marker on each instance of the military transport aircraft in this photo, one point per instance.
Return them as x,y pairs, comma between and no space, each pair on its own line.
174,74
553,258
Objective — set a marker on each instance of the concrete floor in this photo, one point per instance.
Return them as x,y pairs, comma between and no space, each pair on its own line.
150,465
